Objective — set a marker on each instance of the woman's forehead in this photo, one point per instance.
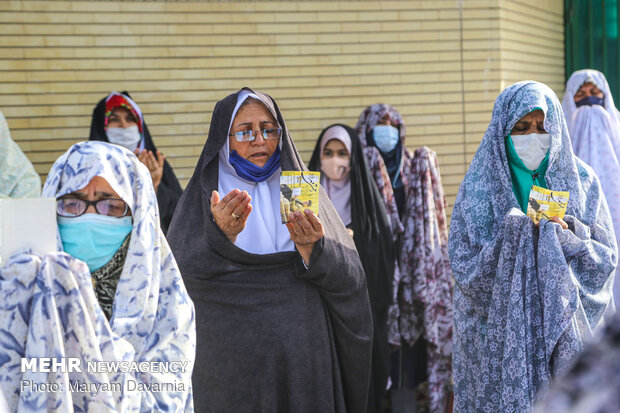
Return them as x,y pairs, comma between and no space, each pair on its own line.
335,143
534,116
253,111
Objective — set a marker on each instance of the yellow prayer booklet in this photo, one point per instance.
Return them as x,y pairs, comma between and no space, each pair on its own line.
299,190
545,203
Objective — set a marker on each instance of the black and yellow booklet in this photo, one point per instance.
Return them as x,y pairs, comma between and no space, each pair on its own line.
545,203
299,190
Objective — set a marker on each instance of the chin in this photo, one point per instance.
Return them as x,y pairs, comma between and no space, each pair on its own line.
260,164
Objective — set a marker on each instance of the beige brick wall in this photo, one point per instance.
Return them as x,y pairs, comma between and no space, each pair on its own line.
532,42
438,62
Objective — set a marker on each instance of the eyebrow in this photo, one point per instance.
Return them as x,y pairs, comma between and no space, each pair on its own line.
98,193
250,123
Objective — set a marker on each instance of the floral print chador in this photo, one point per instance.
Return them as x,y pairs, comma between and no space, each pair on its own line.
526,298
422,288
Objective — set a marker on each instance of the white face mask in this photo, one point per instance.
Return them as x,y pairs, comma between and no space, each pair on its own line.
532,148
125,137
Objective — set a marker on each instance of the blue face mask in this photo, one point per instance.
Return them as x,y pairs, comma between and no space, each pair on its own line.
93,238
386,137
591,100
253,173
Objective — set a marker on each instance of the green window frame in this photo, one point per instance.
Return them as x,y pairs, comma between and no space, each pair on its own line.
591,36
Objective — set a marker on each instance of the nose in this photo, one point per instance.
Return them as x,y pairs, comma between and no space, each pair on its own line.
124,123
258,137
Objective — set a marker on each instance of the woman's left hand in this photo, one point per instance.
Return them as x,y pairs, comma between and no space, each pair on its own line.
155,164
305,229
560,221
557,220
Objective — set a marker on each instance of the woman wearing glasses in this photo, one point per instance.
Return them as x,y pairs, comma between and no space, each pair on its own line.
121,300
283,319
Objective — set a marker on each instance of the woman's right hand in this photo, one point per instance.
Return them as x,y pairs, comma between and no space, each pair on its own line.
155,164
231,212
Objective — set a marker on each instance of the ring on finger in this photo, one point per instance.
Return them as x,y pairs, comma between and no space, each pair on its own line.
235,216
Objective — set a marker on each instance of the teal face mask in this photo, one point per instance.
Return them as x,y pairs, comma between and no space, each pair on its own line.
93,238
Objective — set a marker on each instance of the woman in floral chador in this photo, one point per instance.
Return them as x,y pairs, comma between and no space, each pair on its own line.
420,315
594,127
114,295
527,296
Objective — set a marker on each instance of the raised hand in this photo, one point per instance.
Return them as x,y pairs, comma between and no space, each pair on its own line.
305,229
154,164
231,212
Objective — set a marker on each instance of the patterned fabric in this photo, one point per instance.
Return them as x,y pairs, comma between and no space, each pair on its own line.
422,289
375,113
105,279
526,298
595,135
18,179
368,119
592,383
114,100
48,307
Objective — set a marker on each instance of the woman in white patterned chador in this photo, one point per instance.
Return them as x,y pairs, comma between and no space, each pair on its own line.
121,300
594,127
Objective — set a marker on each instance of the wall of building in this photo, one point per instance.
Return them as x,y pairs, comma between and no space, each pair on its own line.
441,63
532,42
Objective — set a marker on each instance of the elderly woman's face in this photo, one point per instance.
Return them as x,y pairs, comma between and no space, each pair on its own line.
97,189
533,122
588,89
255,117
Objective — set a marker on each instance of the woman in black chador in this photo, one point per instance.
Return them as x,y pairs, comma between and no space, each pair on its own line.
118,119
282,311
339,156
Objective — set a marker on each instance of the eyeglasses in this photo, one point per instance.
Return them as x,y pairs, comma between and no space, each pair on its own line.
74,207
248,135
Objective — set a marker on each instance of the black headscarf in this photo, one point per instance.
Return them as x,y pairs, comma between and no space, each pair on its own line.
169,190
373,240
271,334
